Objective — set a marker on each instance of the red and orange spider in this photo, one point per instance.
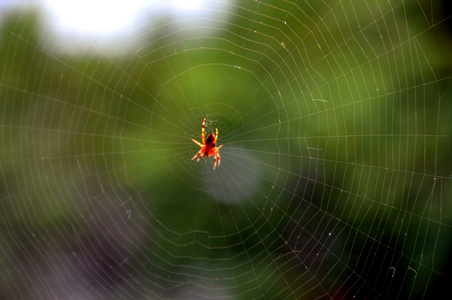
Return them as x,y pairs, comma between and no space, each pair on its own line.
208,146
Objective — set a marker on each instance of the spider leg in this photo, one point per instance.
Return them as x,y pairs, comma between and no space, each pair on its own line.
216,136
199,153
219,158
218,154
215,156
203,129
198,143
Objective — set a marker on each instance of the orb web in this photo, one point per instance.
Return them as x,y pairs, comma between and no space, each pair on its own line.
335,174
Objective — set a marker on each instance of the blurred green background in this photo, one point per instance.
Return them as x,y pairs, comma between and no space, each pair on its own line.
335,178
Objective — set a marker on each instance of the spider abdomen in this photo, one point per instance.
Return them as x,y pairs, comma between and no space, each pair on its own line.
210,140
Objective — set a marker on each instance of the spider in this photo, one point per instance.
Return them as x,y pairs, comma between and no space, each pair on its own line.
208,146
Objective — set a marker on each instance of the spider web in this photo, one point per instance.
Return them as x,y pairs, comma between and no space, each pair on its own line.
335,178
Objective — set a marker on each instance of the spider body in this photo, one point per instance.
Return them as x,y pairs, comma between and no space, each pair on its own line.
208,146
